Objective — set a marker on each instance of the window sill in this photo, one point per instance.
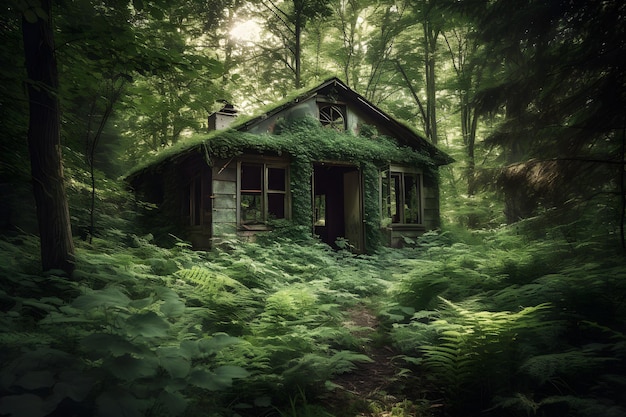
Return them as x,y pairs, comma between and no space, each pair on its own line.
255,227
406,226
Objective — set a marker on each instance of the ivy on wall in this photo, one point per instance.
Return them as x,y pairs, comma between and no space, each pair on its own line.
304,141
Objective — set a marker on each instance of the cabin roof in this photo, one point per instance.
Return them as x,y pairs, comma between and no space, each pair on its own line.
405,134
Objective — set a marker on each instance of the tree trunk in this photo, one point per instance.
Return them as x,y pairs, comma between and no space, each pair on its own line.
44,141
298,51
430,43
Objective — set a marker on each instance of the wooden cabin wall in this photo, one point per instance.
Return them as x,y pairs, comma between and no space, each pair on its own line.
193,194
161,189
224,211
431,203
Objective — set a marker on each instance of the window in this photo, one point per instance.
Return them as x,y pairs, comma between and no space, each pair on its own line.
263,193
332,116
401,196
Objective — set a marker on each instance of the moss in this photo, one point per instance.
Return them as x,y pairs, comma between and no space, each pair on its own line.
304,141
298,138
371,207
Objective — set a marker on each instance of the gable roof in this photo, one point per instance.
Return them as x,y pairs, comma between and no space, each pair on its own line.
403,133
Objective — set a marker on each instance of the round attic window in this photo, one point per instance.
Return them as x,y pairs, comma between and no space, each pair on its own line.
332,116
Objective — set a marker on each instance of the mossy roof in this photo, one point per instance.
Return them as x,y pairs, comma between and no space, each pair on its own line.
217,142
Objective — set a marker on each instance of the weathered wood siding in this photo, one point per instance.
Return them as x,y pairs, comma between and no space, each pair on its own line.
224,198
431,204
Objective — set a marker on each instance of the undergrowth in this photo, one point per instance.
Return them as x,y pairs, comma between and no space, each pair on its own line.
508,325
491,324
144,330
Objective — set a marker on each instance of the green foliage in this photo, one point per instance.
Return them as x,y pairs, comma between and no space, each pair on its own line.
142,329
294,137
484,347
472,342
493,320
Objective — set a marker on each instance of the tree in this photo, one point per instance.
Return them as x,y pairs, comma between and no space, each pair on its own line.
468,66
561,83
288,22
44,145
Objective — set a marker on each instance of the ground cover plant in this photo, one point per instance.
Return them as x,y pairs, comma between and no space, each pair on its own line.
482,323
515,325
144,330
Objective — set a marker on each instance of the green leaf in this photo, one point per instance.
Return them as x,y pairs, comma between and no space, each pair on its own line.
58,318
108,297
451,333
173,308
129,368
173,402
141,303
120,404
231,372
172,360
219,380
216,343
156,12
202,378
189,348
74,385
104,344
148,324
41,305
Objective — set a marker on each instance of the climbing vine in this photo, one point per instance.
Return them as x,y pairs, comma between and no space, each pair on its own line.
305,142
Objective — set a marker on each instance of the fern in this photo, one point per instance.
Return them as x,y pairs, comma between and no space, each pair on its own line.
475,342
574,363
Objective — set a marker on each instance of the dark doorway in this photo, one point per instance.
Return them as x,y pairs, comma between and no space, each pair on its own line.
338,205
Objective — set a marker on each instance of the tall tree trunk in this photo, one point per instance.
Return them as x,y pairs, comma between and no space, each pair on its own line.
44,141
298,51
430,43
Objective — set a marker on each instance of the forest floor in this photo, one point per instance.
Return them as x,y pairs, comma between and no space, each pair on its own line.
376,388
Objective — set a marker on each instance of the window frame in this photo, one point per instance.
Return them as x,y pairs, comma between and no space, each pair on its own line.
341,109
264,192
400,172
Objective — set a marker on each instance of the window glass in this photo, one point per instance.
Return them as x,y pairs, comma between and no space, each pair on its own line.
251,177
251,208
395,195
263,193
333,117
401,198
276,179
411,199
276,206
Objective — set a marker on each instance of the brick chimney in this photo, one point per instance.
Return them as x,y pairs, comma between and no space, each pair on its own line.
222,118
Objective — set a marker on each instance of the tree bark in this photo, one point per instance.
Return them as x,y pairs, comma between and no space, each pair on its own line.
430,44
44,141
298,51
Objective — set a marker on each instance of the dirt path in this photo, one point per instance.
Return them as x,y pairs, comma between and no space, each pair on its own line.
375,387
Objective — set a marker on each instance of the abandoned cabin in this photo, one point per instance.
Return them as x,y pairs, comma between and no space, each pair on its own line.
325,158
